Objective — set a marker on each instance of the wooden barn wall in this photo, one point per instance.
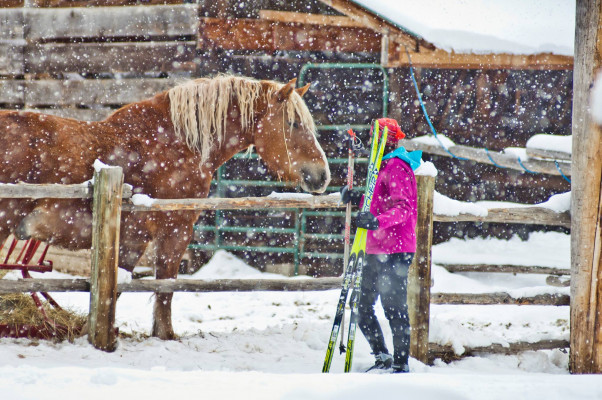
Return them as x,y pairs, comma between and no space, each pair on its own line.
86,62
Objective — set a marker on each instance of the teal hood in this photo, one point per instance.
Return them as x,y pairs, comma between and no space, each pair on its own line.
413,158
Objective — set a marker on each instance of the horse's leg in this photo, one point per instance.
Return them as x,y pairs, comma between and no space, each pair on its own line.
170,247
133,240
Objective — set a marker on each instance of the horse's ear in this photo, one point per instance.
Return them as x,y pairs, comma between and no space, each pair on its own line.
286,90
303,90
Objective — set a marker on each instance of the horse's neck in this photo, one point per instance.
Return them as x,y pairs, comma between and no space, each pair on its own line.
142,117
234,142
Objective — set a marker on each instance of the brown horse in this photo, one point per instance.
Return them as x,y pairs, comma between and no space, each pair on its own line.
169,146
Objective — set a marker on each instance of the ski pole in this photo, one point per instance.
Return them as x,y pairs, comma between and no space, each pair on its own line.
350,162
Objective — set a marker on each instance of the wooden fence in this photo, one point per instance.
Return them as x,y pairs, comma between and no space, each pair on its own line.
109,191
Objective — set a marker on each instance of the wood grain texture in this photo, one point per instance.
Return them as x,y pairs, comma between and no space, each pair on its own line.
419,275
586,278
108,189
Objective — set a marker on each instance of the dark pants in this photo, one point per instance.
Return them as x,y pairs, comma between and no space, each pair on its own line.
386,275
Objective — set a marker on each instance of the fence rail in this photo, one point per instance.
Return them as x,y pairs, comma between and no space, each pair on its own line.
505,268
517,215
249,285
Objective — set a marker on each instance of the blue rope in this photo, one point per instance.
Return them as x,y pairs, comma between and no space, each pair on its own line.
491,159
561,173
426,114
521,164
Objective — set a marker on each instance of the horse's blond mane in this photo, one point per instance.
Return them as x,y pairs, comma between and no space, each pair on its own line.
199,108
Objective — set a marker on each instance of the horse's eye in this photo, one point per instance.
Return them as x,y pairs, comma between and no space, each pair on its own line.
295,124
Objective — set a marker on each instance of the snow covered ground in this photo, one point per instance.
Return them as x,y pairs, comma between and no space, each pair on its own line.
270,345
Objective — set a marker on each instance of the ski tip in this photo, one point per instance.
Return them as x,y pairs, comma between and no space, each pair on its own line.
351,133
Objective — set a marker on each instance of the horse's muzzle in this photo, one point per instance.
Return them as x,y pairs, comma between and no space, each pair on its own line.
314,178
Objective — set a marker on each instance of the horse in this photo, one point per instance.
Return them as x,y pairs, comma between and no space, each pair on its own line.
169,146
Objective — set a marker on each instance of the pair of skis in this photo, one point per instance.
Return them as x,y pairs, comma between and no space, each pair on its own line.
355,263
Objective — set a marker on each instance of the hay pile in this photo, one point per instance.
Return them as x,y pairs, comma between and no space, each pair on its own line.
19,310
20,317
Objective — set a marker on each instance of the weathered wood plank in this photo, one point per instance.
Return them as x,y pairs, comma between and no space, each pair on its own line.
441,59
107,22
257,34
499,298
110,57
108,188
482,156
171,285
586,204
240,203
231,285
514,215
556,281
419,275
54,191
12,24
44,285
12,91
11,57
549,154
93,91
37,191
305,18
505,268
447,353
247,285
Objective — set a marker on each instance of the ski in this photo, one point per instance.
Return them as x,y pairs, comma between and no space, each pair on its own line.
376,148
355,145
360,250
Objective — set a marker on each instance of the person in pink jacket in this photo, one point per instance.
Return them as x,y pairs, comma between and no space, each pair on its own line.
390,248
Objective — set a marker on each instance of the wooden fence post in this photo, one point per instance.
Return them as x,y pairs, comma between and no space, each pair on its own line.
586,205
419,278
108,190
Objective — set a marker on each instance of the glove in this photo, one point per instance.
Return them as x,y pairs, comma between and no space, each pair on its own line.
366,220
350,196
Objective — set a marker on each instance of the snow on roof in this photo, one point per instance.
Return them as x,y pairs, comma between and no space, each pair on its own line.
484,26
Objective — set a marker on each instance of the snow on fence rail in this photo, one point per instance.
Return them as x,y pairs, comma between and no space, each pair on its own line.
559,166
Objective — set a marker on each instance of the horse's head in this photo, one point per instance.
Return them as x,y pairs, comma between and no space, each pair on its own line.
285,139
269,115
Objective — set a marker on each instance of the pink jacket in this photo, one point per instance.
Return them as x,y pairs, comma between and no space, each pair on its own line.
394,204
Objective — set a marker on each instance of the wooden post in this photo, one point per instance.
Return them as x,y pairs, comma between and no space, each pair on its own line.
586,272
419,278
108,190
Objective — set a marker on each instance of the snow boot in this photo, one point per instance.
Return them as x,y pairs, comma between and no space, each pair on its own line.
383,361
399,368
